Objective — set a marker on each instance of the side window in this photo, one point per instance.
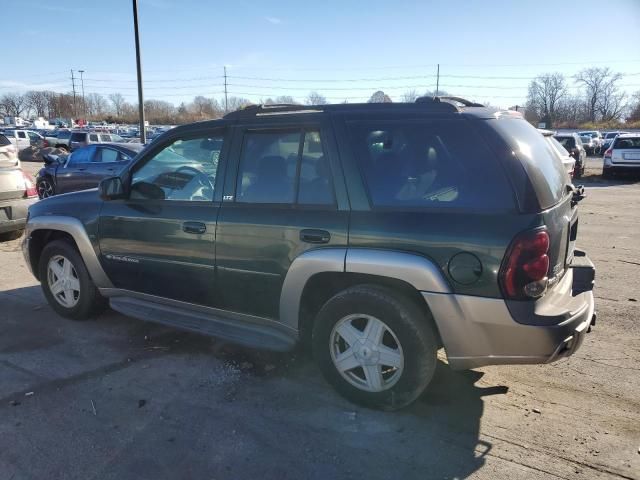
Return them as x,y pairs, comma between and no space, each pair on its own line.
93,137
105,137
284,168
105,155
428,164
183,170
21,135
80,156
268,167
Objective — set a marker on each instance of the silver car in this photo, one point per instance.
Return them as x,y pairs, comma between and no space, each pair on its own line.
81,138
623,155
17,192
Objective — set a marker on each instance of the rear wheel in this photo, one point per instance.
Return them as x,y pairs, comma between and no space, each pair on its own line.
46,188
375,346
66,282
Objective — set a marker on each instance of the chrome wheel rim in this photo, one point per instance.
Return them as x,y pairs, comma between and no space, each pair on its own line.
63,281
366,352
45,189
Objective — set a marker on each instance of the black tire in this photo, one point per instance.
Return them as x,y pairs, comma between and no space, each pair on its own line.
45,185
63,147
412,327
578,171
607,173
89,300
8,236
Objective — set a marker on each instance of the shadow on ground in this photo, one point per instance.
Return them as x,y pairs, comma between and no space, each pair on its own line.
171,403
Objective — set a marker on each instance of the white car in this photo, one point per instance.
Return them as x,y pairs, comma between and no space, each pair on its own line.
25,138
623,155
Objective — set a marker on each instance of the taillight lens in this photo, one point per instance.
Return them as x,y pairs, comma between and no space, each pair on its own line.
608,153
45,144
525,268
31,190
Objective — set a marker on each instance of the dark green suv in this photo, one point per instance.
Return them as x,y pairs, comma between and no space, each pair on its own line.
375,234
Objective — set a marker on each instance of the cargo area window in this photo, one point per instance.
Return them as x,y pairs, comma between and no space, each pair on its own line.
428,164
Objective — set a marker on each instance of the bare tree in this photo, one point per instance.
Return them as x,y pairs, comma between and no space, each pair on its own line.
14,104
236,103
37,102
601,91
118,101
96,105
204,107
314,98
380,97
545,94
634,109
410,96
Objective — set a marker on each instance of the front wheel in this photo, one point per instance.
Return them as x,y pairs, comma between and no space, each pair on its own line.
66,282
375,346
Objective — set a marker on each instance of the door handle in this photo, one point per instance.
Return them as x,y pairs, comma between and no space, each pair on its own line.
194,227
315,236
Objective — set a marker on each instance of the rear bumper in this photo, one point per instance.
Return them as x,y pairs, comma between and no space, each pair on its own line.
621,167
13,214
478,331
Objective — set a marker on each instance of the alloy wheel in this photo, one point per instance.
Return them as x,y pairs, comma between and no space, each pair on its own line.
366,352
63,281
45,189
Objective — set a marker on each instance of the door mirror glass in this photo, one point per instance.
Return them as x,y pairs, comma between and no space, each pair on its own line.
111,188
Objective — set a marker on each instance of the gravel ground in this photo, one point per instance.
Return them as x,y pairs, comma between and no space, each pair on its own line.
119,398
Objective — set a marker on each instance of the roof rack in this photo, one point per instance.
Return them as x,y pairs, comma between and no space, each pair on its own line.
446,102
271,109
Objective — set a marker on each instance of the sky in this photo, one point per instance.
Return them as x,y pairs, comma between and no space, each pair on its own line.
488,50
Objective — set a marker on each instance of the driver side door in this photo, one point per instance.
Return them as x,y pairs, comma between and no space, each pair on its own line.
161,239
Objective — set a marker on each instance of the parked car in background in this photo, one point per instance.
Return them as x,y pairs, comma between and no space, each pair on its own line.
572,143
59,139
623,155
589,144
567,160
84,167
17,192
608,139
359,231
595,135
25,138
82,138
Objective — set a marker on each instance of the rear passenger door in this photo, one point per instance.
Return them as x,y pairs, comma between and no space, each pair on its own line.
283,195
75,174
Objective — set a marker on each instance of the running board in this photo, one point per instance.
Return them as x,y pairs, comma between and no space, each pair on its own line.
247,330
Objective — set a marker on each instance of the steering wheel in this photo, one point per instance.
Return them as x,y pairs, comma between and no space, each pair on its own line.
202,177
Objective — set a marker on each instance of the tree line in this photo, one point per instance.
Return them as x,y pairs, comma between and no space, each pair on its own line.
599,100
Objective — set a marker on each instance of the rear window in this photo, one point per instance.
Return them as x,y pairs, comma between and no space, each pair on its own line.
4,141
627,143
77,137
543,167
428,164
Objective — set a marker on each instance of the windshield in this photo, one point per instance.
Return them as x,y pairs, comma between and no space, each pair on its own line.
558,147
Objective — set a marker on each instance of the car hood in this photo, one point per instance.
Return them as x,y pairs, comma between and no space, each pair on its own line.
83,205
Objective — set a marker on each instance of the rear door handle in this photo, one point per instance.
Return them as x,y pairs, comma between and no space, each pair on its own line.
315,236
194,227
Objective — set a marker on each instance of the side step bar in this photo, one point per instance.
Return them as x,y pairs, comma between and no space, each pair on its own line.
247,330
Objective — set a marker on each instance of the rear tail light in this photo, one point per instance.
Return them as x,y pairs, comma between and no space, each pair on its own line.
524,271
31,190
45,144
608,153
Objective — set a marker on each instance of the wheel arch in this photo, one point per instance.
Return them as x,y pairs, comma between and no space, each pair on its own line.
42,230
317,275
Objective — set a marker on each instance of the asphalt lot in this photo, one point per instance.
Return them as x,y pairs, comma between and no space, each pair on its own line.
119,398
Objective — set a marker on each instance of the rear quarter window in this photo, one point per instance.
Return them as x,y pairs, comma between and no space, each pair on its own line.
429,164
77,137
4,141
543,167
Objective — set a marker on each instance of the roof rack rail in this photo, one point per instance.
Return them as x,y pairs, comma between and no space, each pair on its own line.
434,103
274,108
463,101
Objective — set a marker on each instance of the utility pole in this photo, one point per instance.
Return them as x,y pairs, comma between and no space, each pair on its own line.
84,104
438,81
143,133
226,101
73,87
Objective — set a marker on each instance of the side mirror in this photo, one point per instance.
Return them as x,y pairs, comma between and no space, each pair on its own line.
111,188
